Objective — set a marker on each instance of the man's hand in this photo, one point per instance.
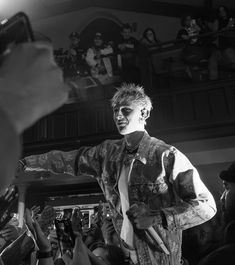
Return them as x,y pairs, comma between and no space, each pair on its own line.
10,233
31,84
108,230
76,222
142,217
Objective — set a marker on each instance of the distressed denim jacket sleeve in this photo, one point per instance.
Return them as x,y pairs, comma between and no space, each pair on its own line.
53,161
67,162
194,202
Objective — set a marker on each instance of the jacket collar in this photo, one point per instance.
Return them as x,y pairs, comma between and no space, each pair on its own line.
143,150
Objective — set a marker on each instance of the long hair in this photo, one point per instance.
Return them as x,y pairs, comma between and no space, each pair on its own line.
144,35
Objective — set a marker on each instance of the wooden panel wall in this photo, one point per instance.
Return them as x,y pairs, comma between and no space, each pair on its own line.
209,109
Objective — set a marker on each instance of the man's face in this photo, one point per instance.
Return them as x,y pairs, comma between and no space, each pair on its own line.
126,33
98,42
150,35
128,118
101,254
74,41
222,12
228,201
187,21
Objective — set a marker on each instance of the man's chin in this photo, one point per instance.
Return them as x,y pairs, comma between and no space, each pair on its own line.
122,131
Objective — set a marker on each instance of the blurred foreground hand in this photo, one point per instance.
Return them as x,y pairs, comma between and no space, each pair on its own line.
31,84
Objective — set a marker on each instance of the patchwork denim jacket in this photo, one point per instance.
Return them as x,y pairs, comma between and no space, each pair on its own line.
161,177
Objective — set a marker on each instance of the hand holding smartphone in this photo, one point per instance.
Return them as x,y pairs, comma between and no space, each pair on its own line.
32,84
14,31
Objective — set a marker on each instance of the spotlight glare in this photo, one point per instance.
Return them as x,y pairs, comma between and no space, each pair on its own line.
3,4
2,22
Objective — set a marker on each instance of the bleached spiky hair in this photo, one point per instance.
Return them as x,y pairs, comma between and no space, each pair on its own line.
131,93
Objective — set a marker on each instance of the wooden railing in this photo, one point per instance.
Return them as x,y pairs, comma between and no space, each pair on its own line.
198,111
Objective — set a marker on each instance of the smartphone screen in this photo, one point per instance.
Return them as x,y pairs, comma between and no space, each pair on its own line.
14,31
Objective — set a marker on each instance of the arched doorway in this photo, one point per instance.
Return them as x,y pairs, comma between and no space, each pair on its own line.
108,28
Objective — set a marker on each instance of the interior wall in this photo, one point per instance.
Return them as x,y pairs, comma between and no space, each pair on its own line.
210,157
59,27
210,176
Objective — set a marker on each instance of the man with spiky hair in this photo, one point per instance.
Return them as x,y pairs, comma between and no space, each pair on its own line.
153,190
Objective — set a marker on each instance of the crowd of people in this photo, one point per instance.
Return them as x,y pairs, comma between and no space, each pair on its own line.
153,191
202,45
207,41
103,59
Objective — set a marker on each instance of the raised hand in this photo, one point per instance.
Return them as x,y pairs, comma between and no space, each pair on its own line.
76,222
40,239
10,233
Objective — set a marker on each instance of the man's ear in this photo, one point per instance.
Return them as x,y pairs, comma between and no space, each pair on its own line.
145,113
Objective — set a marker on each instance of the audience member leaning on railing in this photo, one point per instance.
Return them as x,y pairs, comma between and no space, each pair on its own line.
200,45
147,43
224,25
197,50
127,49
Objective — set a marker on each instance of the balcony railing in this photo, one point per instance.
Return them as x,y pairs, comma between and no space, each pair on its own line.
199,111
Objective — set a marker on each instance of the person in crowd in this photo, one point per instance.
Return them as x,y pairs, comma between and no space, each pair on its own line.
102,230
74,63
200,240
196,49
110,254
67,213
94,233
55,244
228,198
190,30
97,58
225,253
147,45
127,49
224,23
151,187
149,39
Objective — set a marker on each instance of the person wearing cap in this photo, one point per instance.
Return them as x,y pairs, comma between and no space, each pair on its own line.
228,196
97,58
127,58
75,57
225,253
74,45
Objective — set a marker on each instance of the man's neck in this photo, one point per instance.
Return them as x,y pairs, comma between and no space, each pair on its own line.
133,139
